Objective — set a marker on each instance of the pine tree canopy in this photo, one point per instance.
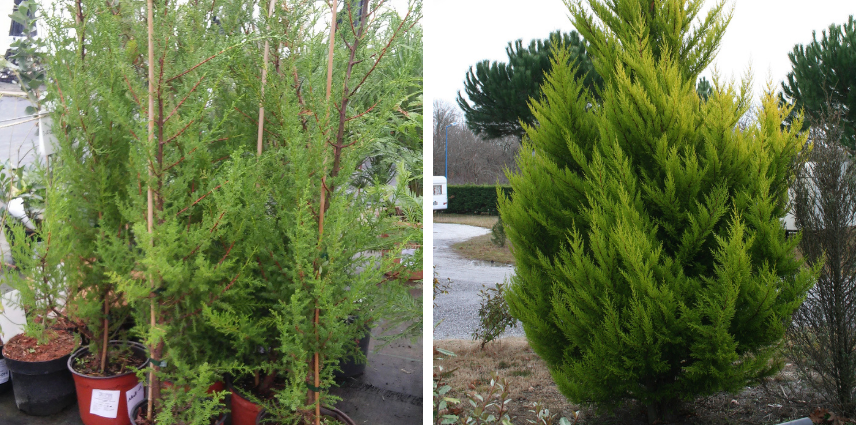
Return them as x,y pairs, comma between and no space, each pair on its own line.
823,76
499,92
651,261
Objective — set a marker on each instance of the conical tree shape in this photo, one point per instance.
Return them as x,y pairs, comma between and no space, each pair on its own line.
651,262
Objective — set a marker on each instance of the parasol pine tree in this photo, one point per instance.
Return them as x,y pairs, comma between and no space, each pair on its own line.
651,262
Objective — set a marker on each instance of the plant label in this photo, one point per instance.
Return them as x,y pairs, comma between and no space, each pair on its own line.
4,372
105,403
134,396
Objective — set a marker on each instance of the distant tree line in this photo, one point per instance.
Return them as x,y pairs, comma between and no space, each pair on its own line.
472,159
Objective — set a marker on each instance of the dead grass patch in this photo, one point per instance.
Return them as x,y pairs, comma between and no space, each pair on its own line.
779,399
481,248
486,221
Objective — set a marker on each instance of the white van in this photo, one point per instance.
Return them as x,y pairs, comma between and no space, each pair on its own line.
441,198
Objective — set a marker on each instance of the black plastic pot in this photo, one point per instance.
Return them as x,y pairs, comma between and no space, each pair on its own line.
5,376
349,366
42,388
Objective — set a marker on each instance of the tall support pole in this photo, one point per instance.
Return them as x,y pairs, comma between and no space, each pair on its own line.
330,51
264,80
149,192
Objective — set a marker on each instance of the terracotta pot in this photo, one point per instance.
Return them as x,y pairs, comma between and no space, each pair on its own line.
5,376
326,412
105,388
244,411
417,275
42,388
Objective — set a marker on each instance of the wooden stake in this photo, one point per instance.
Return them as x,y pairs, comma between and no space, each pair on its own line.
330,52
150,194
317,376
317,310
264,80
106,338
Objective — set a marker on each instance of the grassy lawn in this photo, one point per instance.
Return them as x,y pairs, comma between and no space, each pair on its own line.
486,221
479,247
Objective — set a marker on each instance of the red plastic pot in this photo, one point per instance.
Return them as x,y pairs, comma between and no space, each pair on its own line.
326,412
87,385
244,412
417,275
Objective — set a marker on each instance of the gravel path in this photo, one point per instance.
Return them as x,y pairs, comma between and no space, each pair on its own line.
457,311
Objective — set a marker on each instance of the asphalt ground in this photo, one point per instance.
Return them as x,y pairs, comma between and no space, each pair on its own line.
456,313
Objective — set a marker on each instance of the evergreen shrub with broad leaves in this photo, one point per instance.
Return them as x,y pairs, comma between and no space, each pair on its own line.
651,261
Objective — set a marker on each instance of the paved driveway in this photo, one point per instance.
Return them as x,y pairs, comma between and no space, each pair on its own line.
457,311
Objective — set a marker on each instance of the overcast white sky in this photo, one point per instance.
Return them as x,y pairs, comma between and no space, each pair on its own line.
460,33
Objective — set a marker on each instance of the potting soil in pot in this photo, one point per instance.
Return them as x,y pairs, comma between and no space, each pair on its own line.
41,380
105,398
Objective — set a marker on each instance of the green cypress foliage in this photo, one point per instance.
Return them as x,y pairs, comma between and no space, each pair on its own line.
651,262
99,86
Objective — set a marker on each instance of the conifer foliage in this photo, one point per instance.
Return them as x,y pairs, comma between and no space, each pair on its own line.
651,262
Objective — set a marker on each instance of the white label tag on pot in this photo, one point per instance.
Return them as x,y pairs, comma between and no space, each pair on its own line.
408,252
105,403
134,396
4,372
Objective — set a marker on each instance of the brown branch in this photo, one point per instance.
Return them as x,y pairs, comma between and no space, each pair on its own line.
130,89
364,112
177,134
225,255
203,62
182,100
211,300
180,160
383,52
251,119
200,199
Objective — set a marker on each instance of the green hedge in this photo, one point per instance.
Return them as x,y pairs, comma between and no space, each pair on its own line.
474,199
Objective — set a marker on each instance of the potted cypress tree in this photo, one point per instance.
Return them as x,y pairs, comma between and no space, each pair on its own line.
294,317
91,167
184,261
36,358
121,156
